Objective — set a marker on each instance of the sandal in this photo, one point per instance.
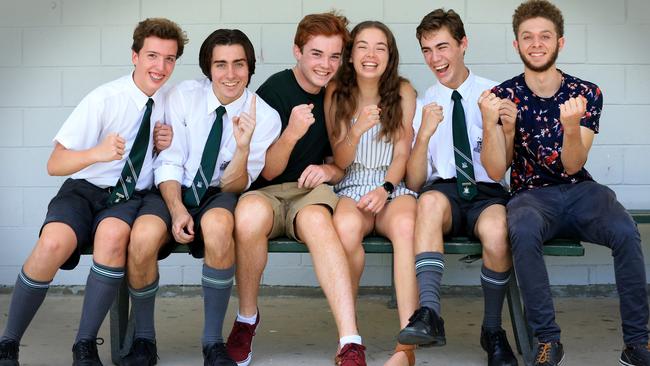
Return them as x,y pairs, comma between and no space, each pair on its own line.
408,351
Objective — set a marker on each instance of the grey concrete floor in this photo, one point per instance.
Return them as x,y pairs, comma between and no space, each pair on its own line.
301,331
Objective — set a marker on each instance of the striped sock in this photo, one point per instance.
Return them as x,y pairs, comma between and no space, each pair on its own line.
429,267
101,289
144,301
27,298
494,286
217,284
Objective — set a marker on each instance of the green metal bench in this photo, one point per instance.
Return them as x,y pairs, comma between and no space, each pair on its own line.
121,330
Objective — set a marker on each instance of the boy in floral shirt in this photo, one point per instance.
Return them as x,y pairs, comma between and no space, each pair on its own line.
542,124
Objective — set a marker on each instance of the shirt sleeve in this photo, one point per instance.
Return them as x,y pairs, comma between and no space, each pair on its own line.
594,98
82,129
170,162
267,131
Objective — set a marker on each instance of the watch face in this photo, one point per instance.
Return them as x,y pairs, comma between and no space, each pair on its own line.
389,187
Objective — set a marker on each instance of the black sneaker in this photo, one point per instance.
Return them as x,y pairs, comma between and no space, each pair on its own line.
425,328
216,355
635,355
495,343
549,354
143,352
84,352
9,353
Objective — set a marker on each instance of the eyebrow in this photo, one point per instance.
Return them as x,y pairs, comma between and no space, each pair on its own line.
226,61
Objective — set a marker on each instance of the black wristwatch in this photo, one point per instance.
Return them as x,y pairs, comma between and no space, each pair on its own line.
389,187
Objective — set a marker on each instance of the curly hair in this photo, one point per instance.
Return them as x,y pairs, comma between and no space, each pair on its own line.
347,91
538,9
161,28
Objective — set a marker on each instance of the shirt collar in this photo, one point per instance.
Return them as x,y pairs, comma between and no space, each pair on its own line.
464,88
232,109
139,97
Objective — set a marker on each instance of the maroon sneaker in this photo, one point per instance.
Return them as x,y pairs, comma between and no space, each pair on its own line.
351,354
240,341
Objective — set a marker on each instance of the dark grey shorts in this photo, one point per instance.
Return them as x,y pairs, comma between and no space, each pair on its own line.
465,213
82,206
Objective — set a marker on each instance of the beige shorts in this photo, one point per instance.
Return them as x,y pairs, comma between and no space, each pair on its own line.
287,200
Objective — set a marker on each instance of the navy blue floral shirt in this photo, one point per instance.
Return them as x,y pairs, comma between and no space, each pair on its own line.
538,136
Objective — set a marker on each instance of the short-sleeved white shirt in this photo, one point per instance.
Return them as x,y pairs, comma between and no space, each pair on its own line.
115,107
191,110
440,153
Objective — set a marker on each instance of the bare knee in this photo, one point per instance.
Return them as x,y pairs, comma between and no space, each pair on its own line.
493,233
253,218
432,204
111,239
217,227
349,227
146,241
314,217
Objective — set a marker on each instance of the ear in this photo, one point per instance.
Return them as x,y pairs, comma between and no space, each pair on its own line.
515,44
464,43
134,57
560,43
297,53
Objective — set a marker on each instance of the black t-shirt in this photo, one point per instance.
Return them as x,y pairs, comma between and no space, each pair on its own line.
282,92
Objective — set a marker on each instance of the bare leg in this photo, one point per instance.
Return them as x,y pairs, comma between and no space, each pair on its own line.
351,226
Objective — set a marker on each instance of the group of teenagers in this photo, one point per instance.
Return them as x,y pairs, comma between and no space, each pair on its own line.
331,150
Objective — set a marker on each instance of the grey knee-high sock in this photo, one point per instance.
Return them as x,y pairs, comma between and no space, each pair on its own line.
494,286
217,284
101,289
429,267
144,301
27,298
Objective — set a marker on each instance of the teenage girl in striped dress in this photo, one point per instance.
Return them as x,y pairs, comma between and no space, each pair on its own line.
369,112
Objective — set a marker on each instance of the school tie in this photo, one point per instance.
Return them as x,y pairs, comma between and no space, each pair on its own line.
125,186
193,195
465,181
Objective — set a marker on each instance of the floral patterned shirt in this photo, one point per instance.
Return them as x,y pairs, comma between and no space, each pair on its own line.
538,136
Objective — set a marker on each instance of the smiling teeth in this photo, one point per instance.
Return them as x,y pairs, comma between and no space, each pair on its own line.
441,67
372,64
230,84
321,73
156,76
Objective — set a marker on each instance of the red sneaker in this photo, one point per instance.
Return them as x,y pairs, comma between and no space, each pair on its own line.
351,354
240,341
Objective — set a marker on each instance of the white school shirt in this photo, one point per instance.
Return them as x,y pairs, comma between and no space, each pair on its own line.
191,111
115,107
440,153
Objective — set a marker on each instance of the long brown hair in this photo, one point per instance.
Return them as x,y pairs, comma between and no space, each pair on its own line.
347,90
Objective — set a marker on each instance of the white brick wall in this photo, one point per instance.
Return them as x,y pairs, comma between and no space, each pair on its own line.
56,51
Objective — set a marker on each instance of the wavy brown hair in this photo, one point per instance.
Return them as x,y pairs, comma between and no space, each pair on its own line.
347,90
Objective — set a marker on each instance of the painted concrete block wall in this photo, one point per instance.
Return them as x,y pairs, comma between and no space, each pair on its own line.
56,51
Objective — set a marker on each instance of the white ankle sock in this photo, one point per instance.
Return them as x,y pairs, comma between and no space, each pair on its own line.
350,339
247,319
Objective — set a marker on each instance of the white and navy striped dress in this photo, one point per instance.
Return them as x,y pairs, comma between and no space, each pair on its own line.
368,170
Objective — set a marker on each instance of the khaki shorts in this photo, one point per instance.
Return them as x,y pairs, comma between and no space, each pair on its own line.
287,200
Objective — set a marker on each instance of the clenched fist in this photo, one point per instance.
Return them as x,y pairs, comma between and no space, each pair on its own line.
300,120
572,111
368,117
432,115
489,104
162,136
112,148
508,114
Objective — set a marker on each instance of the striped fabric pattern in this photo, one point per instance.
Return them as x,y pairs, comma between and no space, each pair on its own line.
430,264
31,283
368,170
106,271
217,283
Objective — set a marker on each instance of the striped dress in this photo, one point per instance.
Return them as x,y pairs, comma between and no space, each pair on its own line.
368,170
